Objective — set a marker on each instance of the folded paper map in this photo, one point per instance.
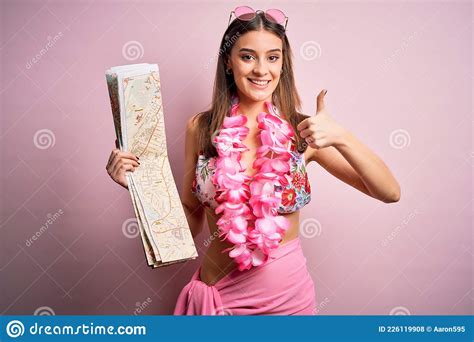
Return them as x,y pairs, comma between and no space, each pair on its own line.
135,97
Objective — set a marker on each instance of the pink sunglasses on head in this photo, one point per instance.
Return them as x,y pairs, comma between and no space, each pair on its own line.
248,13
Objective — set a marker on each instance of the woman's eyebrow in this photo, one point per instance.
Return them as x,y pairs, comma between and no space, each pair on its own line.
250,50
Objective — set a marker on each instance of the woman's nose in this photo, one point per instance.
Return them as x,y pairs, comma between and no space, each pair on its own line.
260,68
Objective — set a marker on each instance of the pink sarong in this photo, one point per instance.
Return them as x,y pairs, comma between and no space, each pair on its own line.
281,286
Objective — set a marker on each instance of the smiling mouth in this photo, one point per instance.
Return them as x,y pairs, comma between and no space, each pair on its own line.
259,82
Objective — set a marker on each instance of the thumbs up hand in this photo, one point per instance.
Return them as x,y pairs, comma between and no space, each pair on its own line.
321,130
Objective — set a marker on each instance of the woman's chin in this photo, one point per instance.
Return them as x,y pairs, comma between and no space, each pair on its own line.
258,95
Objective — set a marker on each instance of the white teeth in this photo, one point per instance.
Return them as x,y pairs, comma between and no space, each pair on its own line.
259,82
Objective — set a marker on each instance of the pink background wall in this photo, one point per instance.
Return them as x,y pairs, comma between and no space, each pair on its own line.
398,76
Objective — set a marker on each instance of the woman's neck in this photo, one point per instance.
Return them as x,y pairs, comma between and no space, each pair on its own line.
251,108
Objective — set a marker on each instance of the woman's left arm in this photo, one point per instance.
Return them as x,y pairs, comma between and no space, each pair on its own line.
321,131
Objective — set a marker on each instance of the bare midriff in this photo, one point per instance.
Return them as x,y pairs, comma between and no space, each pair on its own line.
216,265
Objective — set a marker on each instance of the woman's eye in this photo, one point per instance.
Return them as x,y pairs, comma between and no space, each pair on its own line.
244,57
248,57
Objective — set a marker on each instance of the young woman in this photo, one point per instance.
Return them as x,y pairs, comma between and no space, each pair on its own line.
245,170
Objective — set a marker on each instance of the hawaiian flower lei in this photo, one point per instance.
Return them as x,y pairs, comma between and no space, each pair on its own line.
250,218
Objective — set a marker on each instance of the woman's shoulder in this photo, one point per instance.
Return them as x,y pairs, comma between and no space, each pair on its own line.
195,127
192,131
195,121
200,119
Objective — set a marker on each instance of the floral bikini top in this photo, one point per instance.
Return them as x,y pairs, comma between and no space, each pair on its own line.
294,196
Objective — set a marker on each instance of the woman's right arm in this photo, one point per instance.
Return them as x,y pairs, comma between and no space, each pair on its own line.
120,162
193,209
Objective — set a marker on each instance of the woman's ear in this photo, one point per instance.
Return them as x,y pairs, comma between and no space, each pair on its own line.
228,64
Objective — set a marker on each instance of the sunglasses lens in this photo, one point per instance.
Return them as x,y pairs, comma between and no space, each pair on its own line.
244,13
276,16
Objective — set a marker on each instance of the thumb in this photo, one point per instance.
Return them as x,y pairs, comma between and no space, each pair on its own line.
320,101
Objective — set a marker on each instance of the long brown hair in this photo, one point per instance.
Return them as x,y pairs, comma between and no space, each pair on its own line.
285,96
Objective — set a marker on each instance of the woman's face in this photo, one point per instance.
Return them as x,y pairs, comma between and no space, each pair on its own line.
256,56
